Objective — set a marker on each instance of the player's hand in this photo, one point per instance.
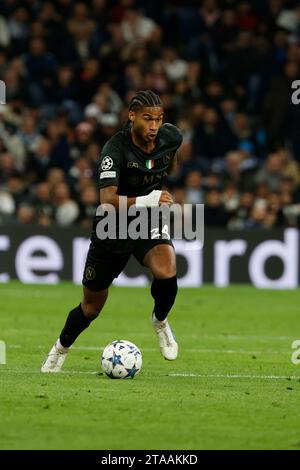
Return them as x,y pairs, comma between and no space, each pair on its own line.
165,198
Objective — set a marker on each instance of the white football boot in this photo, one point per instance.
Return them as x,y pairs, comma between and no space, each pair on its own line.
55,358
167,341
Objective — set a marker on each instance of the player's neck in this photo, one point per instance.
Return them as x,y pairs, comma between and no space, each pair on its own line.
141,144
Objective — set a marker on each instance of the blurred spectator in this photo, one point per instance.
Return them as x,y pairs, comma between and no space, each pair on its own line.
215,214
83,137
136,27
175,67
25,214
7,206
271,173
4,33
18,25
43,203
230,197
291,168
212,181
193,185
242,212
67,210
88,81
81,26
212,138
40,160
40,67
259,217
225,79
7,167
55,176
88,203
246,19
28,133
18,189
289,19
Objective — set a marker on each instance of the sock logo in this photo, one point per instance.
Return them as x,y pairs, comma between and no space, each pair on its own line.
90,273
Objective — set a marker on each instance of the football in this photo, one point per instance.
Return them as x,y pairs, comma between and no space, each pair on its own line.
121,359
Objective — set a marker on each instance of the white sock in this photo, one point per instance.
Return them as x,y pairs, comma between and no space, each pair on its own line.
156,320
60,347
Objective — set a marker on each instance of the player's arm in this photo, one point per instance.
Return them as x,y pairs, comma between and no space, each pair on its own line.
108,195
110,167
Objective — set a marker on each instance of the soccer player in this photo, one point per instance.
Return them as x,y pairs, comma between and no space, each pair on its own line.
132,168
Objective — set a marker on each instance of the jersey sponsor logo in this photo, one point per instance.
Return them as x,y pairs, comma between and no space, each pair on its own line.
132,165
149,164
107,163
153,178
108,174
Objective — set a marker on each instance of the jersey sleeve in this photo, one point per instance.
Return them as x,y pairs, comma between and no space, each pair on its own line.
172,135
110,165
173,163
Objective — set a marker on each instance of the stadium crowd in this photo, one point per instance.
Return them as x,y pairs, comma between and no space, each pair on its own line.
224,70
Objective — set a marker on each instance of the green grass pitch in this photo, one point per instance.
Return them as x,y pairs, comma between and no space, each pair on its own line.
233,386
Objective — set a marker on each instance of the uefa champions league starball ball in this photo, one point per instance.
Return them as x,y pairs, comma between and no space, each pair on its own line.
121,359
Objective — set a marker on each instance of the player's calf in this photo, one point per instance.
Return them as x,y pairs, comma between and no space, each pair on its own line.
81,316
77,321
93,302
164,293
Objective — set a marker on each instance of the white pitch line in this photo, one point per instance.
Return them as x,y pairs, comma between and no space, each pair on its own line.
202,376
34,371
202,350
209,351
222,337
218,351
189,350
238,376
241,337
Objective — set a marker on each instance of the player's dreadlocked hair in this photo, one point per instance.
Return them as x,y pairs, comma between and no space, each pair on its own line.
144,98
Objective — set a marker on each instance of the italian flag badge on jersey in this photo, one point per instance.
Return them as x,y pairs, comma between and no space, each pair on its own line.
149,164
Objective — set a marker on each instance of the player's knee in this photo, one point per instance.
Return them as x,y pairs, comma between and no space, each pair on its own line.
91,310
164,272
92,307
